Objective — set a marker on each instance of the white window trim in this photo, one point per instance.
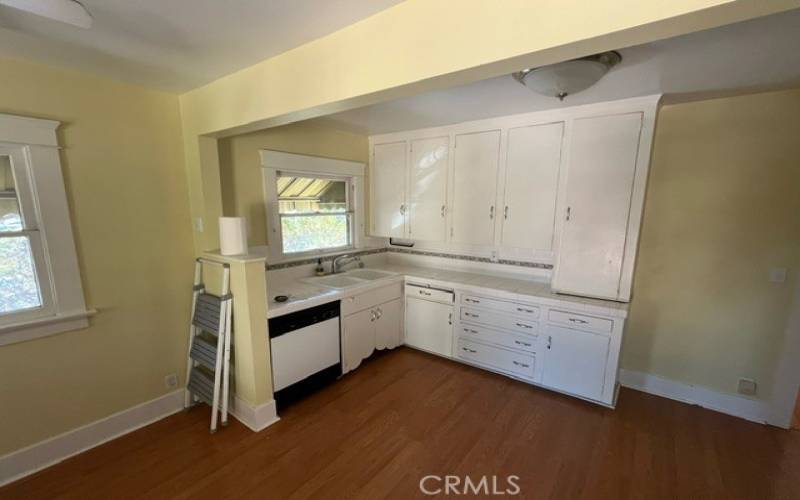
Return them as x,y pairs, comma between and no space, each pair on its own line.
274,161
66,310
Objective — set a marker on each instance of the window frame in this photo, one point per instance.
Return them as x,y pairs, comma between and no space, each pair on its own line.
276,163
349,189
45,213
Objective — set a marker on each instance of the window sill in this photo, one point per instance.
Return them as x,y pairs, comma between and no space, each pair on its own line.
42,327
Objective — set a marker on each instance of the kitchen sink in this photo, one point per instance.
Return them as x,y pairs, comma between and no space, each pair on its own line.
349,278
368,274
336,281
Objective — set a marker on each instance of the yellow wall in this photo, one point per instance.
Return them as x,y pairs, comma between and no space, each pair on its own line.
127,190
240,165
419,45
723,207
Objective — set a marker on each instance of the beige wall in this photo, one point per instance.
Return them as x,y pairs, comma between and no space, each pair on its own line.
126,185
723,207
240,165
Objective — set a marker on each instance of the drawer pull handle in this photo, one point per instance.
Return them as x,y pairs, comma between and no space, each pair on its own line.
469,350
523,325
471,315
423,292
522,309
473,301
521,364
576,320
518,342
470,330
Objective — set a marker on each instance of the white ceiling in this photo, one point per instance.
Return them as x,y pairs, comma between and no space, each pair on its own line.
177,44
760,54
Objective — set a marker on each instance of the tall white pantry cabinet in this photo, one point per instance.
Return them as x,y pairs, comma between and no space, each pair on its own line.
562,187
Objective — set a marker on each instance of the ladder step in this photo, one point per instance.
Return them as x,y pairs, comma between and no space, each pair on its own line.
201,384
207,312
204,352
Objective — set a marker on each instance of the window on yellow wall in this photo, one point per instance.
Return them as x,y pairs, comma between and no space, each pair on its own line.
315,213
40,285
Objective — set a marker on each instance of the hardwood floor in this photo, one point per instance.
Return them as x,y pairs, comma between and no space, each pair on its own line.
404,415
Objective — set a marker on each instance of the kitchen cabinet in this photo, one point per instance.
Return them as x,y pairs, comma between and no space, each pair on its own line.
576,361
429,319
476,158
427,189
531,183
387,190
389,325
372,320
598,189
358,338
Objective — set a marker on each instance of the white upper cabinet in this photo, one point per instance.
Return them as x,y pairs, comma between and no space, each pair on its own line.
599,181
388,190
427,189
531,183
474,187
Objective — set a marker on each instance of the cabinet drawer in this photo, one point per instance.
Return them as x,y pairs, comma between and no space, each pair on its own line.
581,321
515,308
499,320
521,364
505,339
371,298
424,292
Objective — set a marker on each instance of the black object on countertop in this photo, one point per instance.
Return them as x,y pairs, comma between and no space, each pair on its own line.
280,298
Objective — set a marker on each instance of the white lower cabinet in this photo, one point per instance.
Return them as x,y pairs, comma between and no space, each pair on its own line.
570,352
429,326
379,326
575,361
389,325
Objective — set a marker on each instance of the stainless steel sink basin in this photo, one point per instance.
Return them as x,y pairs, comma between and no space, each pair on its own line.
368,274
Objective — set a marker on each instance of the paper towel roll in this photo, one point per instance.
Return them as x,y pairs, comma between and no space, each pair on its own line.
232,236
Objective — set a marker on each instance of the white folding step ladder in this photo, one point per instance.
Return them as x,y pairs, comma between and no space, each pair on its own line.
208,366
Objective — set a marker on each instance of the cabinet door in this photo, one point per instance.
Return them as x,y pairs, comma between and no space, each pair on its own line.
429,326
474,187
529,208
575,361
427,189
358,338
387,196
389,326
599,183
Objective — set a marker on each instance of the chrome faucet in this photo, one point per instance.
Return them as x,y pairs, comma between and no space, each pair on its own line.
343,260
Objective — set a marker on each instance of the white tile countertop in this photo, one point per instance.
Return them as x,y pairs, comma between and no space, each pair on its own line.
303,295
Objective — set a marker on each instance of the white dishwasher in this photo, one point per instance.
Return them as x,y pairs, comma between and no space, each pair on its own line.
429,318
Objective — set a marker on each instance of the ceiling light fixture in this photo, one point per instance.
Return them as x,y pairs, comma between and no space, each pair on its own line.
65,11
568,77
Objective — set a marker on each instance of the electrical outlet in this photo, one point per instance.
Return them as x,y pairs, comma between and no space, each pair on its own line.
747,386
171,381
777,275
198,224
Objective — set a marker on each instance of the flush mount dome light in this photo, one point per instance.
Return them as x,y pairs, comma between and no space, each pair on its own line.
568,77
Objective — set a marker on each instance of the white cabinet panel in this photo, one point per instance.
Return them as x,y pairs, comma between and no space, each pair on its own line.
429,326
474,187
531,184
387,196
389,326
427,189
575,362
599,182
358,338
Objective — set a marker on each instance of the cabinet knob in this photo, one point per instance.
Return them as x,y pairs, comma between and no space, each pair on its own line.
549,341
444,208
505,213
491,212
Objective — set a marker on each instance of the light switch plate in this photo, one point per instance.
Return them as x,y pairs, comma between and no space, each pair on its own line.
198,224
777,275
